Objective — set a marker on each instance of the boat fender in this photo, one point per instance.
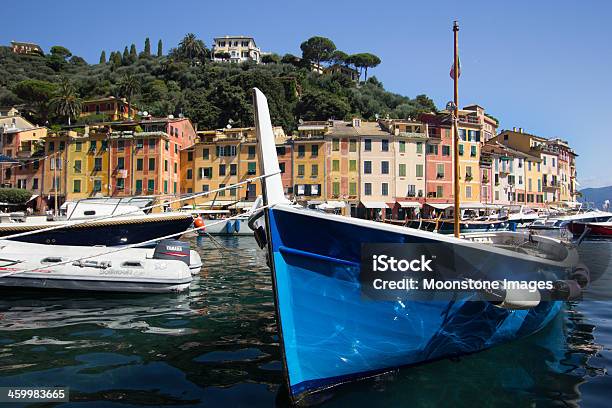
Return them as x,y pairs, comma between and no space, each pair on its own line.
258,228
237,226
566,290
229,227
198,222
582,275
172,249
519,299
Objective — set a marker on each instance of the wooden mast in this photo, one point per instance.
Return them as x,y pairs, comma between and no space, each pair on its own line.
456,130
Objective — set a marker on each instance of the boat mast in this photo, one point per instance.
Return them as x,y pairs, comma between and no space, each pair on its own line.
455,128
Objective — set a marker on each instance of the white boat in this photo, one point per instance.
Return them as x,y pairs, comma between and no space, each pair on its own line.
167,268
521,215
558,222
216,224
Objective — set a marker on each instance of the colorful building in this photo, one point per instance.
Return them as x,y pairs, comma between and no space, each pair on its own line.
308,159
108,109
342,155
439,159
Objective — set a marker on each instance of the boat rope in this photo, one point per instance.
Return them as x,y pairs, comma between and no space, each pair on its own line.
68,224
113,250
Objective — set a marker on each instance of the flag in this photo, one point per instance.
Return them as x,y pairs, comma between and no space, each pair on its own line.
452,70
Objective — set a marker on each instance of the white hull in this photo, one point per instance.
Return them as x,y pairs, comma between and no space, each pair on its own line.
131,270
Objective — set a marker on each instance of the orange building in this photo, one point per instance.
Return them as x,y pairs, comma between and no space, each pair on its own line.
109,108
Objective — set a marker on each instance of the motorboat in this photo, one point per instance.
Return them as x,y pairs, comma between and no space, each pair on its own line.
591,229
89,223
332,331
447,226
559,222
521,215
165,269
217,222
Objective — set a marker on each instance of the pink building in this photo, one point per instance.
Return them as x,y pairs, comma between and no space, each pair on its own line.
439,159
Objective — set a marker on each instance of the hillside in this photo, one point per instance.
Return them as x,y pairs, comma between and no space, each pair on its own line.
186,82
596,195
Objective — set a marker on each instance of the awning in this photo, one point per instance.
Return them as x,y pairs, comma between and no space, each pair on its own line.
409,204
440,206
4,159
472,206
374,204
34,196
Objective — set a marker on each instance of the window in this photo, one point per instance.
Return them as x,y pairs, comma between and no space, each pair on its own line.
352,165
335,145
367,167
460,150
120,145
176,148
205,188
189,156
35,183
151,186
419,148
222,192
440,170
384,167
419,170
367,146
175,168
138,186
468,173
520,180
222,169
167,145
300,170
314,170
384,188
174,187
411,190
139,164
189,174
432,149
104,145
529,185
51,146
335,165
152,144
468,191
336,188
77,146
367,189
402,170
205,154
402,146
281,167
352,145
233,169
62,145
120,163
252,167
165,186
462,134
439,191
554,162
301,151
92,145
473,151
352,189
97,186
120,184
529,165
280,150
539,185
384,145
445,150
77,166
98,164
251,152
151,164
314,150
539,165
139,143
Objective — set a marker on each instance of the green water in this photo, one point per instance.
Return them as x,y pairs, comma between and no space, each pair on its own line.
216,346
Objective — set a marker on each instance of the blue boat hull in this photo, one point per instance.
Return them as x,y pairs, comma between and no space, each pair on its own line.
331,334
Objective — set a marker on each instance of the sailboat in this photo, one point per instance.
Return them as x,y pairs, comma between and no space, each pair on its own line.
332,332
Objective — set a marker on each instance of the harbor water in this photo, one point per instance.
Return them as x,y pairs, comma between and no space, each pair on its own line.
217,345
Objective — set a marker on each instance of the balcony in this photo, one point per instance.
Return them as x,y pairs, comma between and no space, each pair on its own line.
414,135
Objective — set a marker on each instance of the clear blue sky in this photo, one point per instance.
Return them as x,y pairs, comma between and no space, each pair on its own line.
545,66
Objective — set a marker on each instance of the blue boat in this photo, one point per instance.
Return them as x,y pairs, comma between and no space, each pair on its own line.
331,332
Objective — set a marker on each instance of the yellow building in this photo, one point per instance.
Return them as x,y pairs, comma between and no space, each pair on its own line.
308,157
342,156
87,166
109,108
469,162
54,179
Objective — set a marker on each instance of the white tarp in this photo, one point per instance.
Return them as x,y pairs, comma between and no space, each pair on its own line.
374,204
440,206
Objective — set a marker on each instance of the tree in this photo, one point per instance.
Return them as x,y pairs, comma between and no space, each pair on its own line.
339,57
36,94
290,59
317,49
115,58
223,55
128,86
14,195
369,61
159,48
270,59
191,48
66,102
321,105
59,51
133,54
147,47
103,57
125,59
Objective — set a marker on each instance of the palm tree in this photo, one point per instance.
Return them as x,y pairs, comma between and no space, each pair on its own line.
128,86
190,47
66,101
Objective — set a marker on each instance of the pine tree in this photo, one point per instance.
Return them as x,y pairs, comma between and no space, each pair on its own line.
147,47
159,48
103,57
116,58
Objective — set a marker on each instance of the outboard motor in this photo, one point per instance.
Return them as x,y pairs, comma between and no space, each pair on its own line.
172,249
